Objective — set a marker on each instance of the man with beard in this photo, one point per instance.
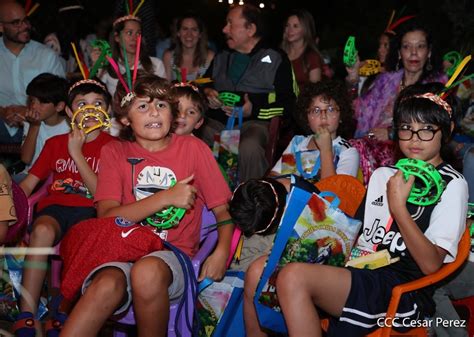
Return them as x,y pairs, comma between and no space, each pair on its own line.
260,75
20,61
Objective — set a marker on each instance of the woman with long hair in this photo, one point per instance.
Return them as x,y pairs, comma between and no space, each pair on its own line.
299,42
189,53
123,42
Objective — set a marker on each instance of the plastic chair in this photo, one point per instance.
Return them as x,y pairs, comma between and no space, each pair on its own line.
446,270
20,201
208,242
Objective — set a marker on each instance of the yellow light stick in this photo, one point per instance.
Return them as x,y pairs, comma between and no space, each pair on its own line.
33,9
79,63
391,19
138,8
458,70
91,111
202,80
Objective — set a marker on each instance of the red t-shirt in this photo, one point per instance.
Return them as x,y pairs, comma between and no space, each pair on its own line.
312,60
184,156
67,189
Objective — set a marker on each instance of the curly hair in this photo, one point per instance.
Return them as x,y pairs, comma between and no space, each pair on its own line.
146,85
328,89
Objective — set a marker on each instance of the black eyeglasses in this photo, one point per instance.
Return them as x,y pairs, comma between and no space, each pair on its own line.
17,23
423,134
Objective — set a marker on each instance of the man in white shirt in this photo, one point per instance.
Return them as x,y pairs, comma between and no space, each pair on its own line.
20,61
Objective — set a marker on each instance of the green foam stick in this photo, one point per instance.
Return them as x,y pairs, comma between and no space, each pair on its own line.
350,52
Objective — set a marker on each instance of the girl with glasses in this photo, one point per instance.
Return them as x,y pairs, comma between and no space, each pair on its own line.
422,237
324,114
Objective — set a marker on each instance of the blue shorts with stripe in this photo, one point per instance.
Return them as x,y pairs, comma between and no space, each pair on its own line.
368,300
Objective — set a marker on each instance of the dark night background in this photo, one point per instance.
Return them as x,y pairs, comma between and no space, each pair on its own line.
452,21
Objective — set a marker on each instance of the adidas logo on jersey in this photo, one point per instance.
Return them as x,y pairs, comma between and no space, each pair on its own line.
378,201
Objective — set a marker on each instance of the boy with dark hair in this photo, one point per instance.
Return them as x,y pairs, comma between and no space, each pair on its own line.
47,94
256,208
73,161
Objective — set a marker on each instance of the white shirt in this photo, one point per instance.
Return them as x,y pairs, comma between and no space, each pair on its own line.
45,132
347,163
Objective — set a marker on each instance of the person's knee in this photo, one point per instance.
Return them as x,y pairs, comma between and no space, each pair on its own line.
252,276
289,278
108,285
150,276
43,232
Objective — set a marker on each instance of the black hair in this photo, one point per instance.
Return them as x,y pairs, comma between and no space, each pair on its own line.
146,85
409,108
48,88
253,15
253,205
329,89
195,96
86,88
396,44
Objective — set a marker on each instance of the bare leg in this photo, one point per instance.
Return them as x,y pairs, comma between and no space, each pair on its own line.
45,231
151,278
252,276
101,299
302,286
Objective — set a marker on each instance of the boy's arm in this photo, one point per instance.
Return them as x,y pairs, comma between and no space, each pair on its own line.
180,195
215,265
29,145
76,140
29,183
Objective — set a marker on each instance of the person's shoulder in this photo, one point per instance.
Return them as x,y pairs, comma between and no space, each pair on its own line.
449,173
345,144
190,141
40,48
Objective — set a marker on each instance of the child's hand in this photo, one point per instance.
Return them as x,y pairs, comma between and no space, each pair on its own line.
323,139
214,267
182,194
32,117
398,190
77,138
353,72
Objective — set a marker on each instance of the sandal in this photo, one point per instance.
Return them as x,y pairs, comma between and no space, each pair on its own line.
25,325
54,325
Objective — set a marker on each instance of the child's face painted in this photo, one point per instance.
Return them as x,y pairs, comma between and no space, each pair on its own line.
150,121
425,144
323,113
80,101
189,116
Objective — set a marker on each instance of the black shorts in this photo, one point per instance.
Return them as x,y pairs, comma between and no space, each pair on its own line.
66,216
367,304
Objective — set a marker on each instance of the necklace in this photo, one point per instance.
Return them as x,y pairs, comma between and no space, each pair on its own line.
402,83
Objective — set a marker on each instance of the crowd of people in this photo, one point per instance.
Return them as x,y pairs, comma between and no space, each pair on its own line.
155,152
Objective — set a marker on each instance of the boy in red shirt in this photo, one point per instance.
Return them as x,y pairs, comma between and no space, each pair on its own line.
73,161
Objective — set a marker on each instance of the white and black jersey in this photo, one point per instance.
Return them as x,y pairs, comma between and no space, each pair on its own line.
442,223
